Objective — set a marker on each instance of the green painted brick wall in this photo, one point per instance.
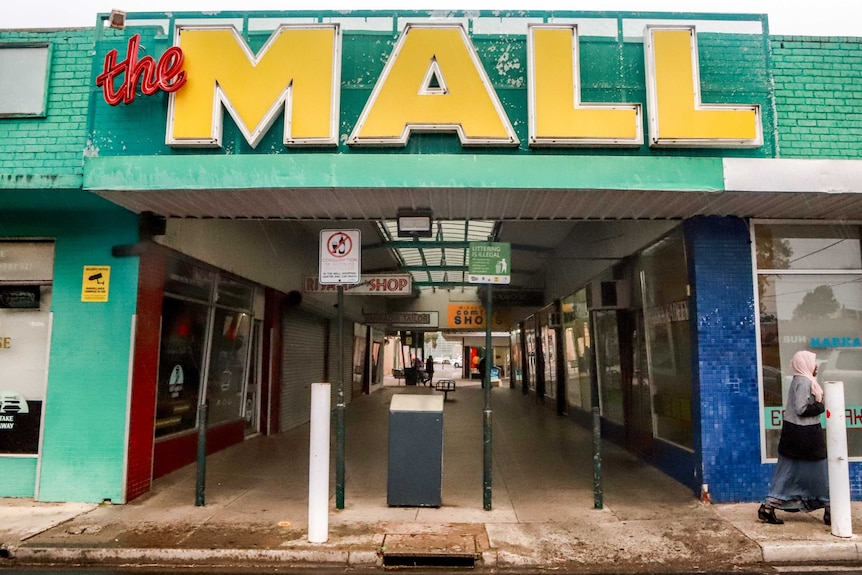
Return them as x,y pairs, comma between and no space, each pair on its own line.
86,404
48,152
818,96
41,173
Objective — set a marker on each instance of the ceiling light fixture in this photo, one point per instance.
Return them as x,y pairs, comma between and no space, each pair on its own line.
415,223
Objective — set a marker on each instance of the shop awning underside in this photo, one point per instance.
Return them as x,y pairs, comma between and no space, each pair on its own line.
619,213
486,204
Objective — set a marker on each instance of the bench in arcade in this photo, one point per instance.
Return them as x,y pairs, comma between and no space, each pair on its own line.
445,385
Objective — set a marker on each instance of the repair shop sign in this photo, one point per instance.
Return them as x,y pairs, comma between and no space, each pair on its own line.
372,284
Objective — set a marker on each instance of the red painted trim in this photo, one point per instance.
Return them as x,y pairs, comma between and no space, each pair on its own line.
178,451
272,355
151,280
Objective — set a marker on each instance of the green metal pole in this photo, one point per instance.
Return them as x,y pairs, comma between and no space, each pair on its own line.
339,408
200,485
486,420
597,419
597,459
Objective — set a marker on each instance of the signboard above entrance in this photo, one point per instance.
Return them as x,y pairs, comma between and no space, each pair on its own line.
456,75
370,284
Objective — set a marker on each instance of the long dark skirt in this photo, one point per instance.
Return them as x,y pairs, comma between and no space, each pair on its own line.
799,485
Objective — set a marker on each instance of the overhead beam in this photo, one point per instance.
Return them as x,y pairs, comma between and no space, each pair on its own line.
408,244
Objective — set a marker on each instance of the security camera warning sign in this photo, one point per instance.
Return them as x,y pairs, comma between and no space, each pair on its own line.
95,284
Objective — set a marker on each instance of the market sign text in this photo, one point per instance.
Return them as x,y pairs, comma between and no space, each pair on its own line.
433,81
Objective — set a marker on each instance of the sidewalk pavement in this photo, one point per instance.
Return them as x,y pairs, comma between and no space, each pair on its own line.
542,515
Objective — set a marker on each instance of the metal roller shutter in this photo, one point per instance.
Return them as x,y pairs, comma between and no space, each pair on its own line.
304,362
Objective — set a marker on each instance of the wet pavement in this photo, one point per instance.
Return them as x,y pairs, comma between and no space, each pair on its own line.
542,515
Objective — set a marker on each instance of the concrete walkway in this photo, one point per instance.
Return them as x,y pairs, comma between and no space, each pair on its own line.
542,514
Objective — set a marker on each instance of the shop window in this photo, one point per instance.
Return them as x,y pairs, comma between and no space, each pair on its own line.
204,315
25,317
576,346
180,365
664,279
516,373
609,366
234,294
549,357
24,79
228,359
807,247
187,280
805,305
530,341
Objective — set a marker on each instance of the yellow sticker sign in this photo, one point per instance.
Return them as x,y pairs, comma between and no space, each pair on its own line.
96,282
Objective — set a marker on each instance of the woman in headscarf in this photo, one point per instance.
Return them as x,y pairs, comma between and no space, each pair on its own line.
800,481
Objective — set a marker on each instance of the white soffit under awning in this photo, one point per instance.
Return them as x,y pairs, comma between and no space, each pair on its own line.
792,175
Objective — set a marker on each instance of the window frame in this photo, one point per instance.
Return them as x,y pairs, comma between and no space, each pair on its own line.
46,85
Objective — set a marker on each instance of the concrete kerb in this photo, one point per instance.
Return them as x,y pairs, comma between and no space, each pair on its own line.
772,553
209,557
810,552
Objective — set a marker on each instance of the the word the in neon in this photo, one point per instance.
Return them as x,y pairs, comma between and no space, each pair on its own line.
166,75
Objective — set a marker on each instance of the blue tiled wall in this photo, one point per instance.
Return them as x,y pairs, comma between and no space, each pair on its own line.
725,360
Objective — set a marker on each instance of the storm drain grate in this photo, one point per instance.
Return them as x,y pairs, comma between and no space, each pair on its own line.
429,550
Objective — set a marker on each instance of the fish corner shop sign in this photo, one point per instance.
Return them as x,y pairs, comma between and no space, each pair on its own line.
433,80
340,257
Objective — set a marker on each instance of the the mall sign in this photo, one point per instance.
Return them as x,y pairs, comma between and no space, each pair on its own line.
433,81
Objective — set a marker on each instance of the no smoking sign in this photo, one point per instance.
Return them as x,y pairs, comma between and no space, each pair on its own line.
340,257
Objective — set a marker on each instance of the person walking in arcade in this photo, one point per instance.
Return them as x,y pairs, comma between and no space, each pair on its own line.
800,481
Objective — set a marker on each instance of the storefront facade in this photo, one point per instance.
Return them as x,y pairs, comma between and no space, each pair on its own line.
722,154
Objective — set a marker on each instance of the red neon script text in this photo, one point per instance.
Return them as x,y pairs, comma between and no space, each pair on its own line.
167,75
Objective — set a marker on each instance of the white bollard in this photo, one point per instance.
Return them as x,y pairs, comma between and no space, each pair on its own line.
318,465
836,454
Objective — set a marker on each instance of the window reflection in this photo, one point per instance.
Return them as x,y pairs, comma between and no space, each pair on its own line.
203,314
666,313
799,247
820,313
577,348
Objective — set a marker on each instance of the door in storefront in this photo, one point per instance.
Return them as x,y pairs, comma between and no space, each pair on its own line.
637,403
251,409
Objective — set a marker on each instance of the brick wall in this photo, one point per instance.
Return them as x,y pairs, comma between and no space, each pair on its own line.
43,148
818,96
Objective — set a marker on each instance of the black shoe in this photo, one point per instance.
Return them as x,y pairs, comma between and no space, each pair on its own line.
827,516
767,515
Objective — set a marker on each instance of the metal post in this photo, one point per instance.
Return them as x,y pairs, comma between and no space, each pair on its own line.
597,418
486,420
837,461
318,463
597,459
200,485
339,408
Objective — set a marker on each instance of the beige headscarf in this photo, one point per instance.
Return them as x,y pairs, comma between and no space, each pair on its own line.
803,363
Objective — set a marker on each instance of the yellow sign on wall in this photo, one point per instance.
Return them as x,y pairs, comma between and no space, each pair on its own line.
472,316
95,284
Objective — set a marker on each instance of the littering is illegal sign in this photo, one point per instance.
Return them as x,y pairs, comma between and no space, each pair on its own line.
490,263
340,257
